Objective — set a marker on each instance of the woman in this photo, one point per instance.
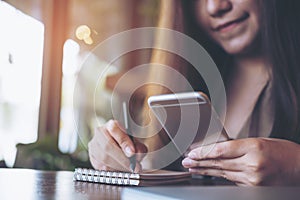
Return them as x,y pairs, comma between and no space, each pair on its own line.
258,39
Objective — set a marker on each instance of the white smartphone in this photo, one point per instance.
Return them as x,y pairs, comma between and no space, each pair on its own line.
188,119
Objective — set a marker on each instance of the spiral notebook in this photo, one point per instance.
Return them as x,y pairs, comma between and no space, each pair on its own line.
158,177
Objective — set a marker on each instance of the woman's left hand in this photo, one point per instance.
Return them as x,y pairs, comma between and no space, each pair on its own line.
251,161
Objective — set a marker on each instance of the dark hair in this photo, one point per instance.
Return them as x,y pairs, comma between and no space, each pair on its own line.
280,36
281,40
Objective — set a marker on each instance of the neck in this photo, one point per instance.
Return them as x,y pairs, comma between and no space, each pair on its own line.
251,68
249,77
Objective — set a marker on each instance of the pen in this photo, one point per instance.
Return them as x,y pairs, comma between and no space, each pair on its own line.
132,158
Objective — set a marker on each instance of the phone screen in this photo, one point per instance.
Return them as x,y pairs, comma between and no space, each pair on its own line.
188,120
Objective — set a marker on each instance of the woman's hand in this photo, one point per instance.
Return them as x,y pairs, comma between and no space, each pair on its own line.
111,148
251,161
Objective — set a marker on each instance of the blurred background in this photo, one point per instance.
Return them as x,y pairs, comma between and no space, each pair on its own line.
43,46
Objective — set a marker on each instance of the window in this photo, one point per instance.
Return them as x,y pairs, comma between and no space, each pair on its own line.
21,54
39,66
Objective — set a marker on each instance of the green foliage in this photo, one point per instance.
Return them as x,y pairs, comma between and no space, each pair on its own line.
45,155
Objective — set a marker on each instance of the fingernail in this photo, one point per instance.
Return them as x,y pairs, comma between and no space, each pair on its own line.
128,151
192,155
186,162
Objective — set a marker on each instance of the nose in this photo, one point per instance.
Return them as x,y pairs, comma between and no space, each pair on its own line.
218,8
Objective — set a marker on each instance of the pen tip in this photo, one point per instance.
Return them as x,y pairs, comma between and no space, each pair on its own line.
132,167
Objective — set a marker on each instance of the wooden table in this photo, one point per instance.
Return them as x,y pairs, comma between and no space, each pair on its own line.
35,184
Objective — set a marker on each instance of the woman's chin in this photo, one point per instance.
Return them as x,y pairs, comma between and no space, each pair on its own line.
239,47
239,50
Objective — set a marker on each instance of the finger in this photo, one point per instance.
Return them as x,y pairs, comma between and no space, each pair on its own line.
122,139
237,177
223,164
229,149
105,149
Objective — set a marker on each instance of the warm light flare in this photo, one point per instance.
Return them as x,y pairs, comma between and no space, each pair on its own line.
83,32
88,40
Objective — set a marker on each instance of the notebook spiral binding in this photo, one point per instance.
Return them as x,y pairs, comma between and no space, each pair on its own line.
107,177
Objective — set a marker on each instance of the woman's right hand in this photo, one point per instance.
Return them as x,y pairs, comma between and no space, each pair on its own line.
111,148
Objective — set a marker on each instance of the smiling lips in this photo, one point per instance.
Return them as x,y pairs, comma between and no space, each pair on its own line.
228,25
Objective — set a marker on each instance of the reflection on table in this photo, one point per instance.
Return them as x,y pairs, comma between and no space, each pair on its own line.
35,184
